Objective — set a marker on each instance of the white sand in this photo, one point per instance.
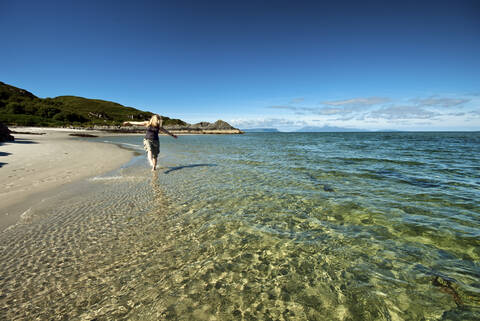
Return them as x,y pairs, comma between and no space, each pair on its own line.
36,164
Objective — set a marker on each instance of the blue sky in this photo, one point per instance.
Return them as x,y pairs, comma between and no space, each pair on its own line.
410,65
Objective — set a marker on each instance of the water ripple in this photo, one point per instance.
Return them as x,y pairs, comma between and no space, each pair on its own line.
334,226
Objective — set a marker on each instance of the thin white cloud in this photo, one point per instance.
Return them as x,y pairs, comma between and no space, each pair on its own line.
457,114
339,107
324,111
330,111
295,108
402,112
440,102
284,107
297,100
438,112
366,102
267,123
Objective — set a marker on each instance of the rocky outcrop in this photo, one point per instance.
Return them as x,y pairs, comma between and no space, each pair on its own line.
99,115
200,125
218,127
5,134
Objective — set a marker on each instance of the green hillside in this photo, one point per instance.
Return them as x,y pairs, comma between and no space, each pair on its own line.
21,108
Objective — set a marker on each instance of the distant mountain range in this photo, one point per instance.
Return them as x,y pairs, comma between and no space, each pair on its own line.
334,129
328,129
261,130
318,129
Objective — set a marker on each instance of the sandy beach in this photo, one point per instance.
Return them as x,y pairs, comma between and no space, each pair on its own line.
34,165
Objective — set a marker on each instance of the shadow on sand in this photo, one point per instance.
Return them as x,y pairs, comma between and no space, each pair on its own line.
176,168
19,141
4,154
23,141
16,141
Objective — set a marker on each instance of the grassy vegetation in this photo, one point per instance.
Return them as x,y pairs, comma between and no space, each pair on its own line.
21,108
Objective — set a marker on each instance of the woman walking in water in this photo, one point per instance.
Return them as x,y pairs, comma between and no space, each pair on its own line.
151,142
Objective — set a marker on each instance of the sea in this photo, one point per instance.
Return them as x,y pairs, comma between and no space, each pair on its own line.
259,226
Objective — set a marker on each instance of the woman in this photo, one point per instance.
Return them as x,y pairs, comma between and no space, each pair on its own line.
151,142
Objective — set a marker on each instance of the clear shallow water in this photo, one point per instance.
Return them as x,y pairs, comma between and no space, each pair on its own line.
325,226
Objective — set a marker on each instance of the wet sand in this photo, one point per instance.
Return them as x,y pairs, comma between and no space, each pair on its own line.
34,166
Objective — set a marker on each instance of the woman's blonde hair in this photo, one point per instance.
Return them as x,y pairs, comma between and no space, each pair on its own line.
155,121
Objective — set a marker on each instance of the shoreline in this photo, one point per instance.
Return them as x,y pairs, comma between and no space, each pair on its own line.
35,166
133,130
124,131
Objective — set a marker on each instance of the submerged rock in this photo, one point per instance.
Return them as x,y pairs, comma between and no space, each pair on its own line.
82,135
446,286
328,188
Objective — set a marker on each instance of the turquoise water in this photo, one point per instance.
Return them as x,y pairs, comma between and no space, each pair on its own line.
281,226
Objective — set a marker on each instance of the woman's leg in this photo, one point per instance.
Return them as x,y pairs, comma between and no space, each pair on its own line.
150,158
154,163
155,151
147,145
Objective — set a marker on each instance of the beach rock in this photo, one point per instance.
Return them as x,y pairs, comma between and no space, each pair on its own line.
5,134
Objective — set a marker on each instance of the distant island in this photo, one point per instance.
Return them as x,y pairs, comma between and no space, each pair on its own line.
261,130
334,129
19,107
329,129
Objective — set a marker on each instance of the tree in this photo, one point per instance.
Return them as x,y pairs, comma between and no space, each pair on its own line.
15,108
31,109
4,95
65,116
47,111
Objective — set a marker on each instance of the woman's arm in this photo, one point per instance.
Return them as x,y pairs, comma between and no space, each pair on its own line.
141,123
167,132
